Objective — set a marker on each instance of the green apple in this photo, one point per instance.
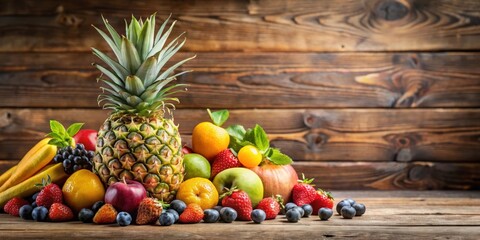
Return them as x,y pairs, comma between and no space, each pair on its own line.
196,166
244,179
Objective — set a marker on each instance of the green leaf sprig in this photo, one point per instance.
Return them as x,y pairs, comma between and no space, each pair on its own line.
62,137
239,137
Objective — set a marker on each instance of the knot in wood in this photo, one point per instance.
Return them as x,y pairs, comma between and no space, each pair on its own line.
316,140
5,119
310,120
419,172
391,10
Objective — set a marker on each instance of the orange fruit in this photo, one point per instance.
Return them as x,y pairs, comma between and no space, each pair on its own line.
249,156
200,191
82,189
209,139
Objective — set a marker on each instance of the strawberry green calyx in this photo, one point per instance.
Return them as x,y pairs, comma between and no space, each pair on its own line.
60,136
306,180
44,182
323,192
229,191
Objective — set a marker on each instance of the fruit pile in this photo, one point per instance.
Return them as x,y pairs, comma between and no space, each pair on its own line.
136,169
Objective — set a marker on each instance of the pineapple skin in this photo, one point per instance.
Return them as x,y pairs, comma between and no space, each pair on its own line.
144,149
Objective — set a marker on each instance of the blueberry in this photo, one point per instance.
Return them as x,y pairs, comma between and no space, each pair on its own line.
124,219
33,198
218,208
80,146
228,214
86,215
97,205
325,213
300,210
351,201
40,214
174,213
178,205
307,208
289,206
25,212
293,215
359,208
166,219
340,205
258,216
348,212
211,216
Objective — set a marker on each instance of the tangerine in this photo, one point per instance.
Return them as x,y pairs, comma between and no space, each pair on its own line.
209,139
249,156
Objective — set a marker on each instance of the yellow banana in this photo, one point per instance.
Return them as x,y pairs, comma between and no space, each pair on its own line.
6,175
31,163
27,187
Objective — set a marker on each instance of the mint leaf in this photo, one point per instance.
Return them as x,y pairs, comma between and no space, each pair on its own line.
236,131
279,158
261,139
57,127
249,136
218,117
74,128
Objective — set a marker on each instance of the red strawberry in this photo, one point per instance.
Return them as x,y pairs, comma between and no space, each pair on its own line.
13,205
271,206
323,199
51,193
60,213
240,201
224,160
148,211
192,214
303,192
105,215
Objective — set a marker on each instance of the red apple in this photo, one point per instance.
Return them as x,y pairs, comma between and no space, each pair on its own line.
186,150
87,137
125,195
277,179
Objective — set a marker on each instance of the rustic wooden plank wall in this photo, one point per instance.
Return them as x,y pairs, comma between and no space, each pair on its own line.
364,94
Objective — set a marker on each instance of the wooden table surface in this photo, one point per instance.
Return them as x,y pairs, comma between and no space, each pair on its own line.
390,215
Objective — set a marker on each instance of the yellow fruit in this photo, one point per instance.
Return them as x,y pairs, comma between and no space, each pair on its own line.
82,189
249,156
200,191
209,139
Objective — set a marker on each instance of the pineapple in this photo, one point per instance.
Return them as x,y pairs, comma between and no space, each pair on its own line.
136,141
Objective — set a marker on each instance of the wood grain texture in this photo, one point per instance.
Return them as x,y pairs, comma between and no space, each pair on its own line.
342,25
305,134
433,215
262,80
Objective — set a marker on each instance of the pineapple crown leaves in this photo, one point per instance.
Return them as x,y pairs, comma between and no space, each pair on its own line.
135,81
239,137
60,136
306,180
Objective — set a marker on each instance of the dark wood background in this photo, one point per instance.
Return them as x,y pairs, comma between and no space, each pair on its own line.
379,94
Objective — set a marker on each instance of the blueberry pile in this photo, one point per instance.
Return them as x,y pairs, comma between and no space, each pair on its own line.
349,208
74,159
293,213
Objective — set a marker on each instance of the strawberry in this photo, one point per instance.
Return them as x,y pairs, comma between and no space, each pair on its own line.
192,214
148,211
105,215
271,206
13,205
303,192
240,201
51,193
224,160
60,213
322,199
